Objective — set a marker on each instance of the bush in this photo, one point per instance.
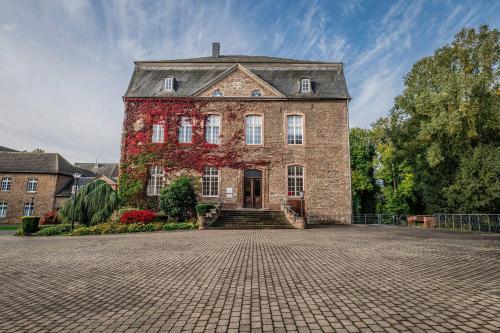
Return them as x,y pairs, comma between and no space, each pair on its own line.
49,218
203,209
137,216
61,229
179,199
29,224
115,228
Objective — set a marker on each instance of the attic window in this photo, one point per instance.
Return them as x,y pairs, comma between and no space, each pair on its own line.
217,93
305,85
256,93
169,84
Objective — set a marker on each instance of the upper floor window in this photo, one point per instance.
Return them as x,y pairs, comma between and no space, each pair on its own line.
5,184
168,84
29,207
210,182
217,93
253,129
185,130
256,93
305,85
294,130
75,188
31,186
3,209
212,130
295,180
158,133
155,180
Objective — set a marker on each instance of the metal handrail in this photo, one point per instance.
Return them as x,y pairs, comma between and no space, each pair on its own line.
286,208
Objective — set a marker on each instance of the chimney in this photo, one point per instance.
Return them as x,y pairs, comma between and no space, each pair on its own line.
215,50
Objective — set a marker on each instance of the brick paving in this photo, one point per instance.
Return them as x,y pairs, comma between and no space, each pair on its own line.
335,279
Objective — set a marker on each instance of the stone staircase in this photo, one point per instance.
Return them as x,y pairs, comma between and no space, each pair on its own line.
251,219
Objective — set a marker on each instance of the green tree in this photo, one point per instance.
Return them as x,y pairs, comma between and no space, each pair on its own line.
450,106
94,203
178,199
364,188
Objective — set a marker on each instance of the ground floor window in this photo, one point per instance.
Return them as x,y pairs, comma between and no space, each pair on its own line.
3,209
210,182
295,180
29,207
155,180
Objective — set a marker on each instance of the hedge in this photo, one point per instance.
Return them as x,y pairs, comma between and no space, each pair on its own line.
117,228
203,209
29,224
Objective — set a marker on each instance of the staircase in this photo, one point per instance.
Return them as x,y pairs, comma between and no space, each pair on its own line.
251,219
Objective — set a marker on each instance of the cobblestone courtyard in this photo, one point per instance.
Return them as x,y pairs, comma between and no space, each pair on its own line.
341,278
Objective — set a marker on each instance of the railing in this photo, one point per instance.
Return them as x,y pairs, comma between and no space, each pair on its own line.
461,222
287,209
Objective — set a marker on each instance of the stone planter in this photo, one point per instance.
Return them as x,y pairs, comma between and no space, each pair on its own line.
203,222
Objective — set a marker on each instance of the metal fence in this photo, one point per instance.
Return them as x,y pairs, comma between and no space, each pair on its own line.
461,222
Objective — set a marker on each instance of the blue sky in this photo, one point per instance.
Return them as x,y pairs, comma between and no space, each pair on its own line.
65,64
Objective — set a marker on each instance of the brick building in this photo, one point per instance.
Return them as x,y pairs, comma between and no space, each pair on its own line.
283,121
36,183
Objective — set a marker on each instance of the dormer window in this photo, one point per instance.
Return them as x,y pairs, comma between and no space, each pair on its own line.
217,93
169,84
256,93
305,85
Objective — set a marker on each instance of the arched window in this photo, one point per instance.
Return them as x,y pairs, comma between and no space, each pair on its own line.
253,129
212,129
185,130
295,129
217,93
295,180
256,93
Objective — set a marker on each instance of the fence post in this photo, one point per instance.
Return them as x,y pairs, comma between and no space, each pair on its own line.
453,221
365,218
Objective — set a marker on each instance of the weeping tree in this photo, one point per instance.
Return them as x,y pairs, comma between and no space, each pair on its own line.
94,203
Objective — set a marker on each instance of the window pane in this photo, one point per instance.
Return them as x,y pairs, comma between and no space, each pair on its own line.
294,129
212,129
253,130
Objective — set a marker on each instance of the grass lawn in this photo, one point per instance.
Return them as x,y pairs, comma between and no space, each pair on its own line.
9,227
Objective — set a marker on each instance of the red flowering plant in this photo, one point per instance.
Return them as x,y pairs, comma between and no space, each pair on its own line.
137,216
139,152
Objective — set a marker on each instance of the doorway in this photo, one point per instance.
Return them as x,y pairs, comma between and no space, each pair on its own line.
252,189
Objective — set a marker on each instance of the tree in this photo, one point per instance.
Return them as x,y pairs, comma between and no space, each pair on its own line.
94,203
449,108
178,199
364,188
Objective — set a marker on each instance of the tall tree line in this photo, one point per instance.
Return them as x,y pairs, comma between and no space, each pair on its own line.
438,149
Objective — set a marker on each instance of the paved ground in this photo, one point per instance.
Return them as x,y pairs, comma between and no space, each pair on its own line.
342,279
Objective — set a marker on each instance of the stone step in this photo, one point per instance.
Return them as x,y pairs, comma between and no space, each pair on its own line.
252,226
251,219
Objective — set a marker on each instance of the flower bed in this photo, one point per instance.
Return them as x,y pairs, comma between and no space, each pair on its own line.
118,228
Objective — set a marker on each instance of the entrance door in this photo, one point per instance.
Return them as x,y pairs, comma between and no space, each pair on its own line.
252,189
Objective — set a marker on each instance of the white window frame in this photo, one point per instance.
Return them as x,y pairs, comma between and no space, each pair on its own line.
168,84
295,180
217,93
3,209
6,183
212,129
158,135
295,129
185,130
253,129
210,182
31,185
305,85
75,188
29,209
156,180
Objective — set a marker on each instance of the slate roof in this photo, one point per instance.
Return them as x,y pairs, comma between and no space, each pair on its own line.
7,149
109,170
23,162
190,75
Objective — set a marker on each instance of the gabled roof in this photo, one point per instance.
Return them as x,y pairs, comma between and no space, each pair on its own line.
109,170
23,162
282,74
231,70
7,149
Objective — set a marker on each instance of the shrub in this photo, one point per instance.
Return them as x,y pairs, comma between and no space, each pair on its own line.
55,230
49,218
203,209
137,216
29,224
179,198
